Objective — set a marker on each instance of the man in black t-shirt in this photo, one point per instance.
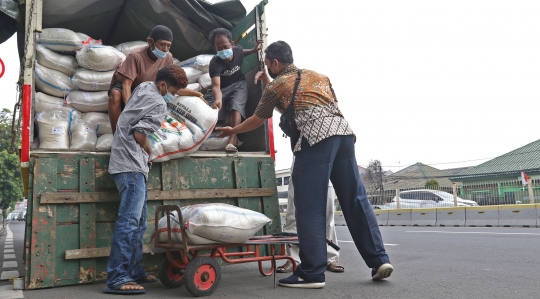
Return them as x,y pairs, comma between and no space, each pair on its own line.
228,82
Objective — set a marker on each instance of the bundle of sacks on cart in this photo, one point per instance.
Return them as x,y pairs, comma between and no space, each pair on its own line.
73,76
210,223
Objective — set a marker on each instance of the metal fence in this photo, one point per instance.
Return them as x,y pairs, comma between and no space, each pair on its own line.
460,194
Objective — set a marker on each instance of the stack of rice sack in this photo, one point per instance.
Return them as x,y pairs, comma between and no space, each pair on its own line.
196,69
73,75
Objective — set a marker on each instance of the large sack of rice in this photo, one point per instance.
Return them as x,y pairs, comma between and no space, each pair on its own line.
104,128
100,58
214,143
194,87
60,39
192,74
53,82
172,141
200,62
205,81
88,101
87,40
96,118
129,47
197,115
83,136
63,63
104,142
45,102
90,80
213,223
53,129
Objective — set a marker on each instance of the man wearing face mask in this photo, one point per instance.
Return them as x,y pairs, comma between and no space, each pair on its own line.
128,165
140,66
228,82
325,150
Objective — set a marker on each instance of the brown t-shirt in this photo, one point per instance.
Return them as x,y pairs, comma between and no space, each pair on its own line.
140,68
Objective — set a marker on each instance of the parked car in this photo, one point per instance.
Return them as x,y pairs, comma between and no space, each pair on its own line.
425,198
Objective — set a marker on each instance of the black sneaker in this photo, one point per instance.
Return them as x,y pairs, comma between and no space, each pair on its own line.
294,281
384,271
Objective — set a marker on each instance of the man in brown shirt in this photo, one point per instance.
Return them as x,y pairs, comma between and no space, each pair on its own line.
324,151
140,66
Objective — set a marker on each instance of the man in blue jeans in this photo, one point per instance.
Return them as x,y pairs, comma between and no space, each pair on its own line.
129,162
325,150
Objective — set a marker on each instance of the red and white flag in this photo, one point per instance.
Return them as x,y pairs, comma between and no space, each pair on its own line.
524,178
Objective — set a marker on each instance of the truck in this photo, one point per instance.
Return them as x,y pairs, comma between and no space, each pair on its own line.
72,199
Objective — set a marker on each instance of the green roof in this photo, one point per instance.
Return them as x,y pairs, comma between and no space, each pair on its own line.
525,158
416,176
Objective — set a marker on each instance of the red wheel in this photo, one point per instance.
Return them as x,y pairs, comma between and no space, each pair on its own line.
169,275
202,276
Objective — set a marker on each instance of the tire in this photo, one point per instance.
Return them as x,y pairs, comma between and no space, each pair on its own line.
170,276
202,276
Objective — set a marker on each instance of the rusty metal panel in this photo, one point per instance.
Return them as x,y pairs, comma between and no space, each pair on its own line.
87,222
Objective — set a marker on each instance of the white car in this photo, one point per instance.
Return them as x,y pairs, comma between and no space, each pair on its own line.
425,198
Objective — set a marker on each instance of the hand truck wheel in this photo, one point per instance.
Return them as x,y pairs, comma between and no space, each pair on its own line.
169,275
202,276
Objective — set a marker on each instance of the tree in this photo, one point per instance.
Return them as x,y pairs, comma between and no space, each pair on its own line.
432,184
373,177
11,189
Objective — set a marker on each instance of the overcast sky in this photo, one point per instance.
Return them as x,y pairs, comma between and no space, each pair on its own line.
419,81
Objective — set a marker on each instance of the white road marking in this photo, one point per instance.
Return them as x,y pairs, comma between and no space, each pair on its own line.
487,233
8,275
9,256
339,241
9,246
7,292
9,251
9,264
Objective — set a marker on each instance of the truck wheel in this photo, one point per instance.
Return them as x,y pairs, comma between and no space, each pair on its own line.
169,275
202,276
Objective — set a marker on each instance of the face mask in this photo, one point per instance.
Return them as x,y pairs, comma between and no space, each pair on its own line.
225,54
159,54
272,75
168,97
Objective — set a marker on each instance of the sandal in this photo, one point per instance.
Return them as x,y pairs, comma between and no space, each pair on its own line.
230,148
128,288
147,279
285,268
335,267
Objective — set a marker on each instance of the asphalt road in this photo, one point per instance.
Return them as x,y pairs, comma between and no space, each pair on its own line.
429,262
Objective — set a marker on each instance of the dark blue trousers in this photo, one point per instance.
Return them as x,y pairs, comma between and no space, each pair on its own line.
332,158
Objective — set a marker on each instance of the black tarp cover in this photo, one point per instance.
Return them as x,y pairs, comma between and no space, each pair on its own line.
118,21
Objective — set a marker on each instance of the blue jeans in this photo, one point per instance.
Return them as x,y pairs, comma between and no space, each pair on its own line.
125,259
332,158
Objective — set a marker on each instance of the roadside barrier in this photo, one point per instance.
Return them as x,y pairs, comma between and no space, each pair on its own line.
454,216
482,216
423,217
399,217
518,215
382,217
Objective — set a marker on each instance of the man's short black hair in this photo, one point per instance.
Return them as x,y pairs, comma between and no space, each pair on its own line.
173,75
219,32
279,50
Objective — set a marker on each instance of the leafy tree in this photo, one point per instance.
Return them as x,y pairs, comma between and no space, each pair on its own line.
432,184
10,171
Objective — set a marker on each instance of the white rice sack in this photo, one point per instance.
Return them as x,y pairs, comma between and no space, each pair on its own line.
205,81
194,87
53,129
63,63
104,142
83,136
129,47
172,141
192,74
53,82
200,62
193,111
104,128
90,80
87,101
45,102
60,39
100,58
213,143
87,40
96,118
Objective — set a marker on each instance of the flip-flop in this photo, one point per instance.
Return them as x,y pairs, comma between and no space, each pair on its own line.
285,268
230,148
335,267
126,292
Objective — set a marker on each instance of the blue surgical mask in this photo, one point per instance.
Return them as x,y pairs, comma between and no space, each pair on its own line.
168,97
159,54
225,54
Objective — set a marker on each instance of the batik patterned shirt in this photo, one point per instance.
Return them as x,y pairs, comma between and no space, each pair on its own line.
317,115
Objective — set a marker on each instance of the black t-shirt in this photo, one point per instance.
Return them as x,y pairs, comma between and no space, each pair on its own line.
229,72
